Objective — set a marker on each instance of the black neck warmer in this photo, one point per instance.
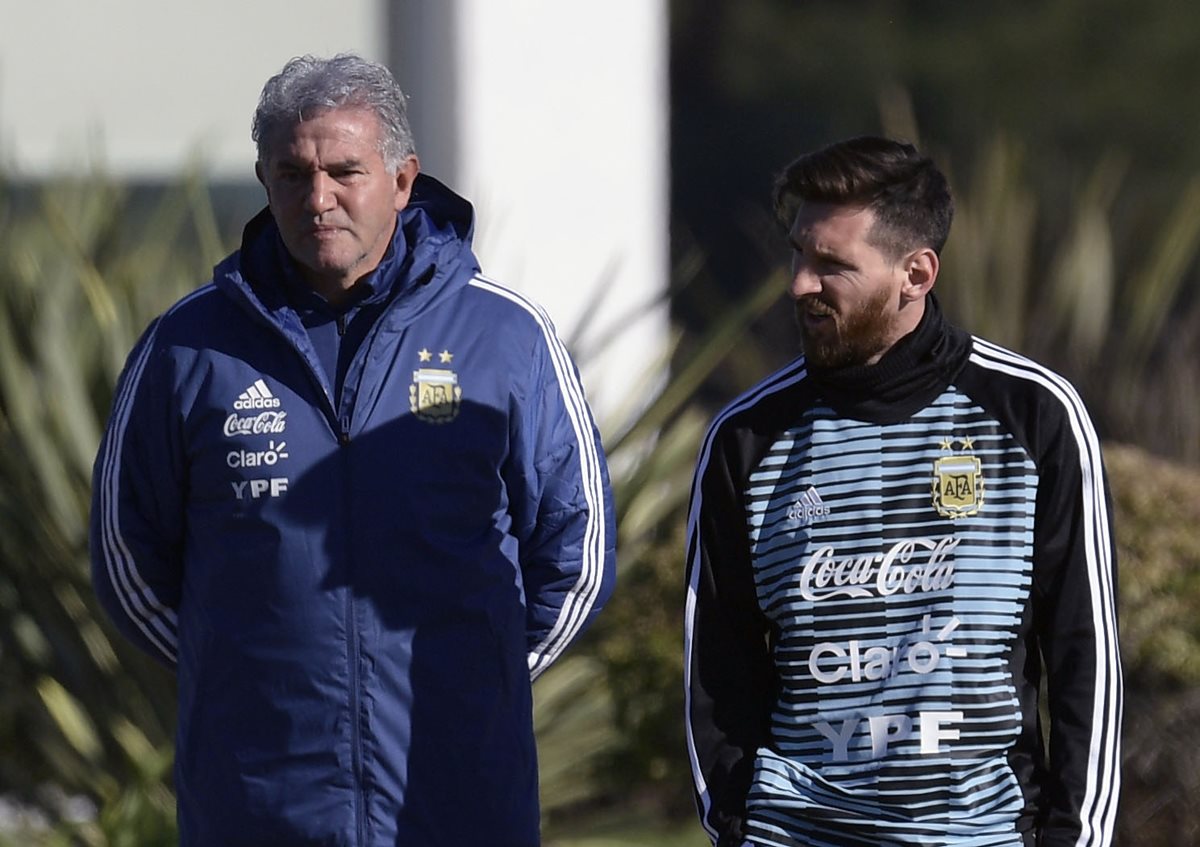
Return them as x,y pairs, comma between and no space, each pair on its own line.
909,377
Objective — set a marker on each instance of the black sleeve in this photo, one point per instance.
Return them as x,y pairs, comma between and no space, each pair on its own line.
729,671
1075,615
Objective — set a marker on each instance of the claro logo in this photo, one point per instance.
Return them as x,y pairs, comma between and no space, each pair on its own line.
909,566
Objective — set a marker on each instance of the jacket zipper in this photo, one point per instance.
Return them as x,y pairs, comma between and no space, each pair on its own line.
341,431
356,721
352,657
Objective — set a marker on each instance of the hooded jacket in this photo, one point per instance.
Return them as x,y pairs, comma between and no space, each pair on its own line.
355,588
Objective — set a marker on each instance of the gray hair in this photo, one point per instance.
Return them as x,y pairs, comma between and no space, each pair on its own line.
309,85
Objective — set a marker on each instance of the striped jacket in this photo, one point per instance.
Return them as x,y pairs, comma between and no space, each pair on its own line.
355,594
884,565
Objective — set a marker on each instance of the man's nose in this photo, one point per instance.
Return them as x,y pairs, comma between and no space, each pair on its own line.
319,196
804,281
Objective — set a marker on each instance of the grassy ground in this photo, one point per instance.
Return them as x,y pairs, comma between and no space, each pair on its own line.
630,832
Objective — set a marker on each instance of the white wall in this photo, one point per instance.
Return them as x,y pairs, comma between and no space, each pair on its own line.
144,85
550,116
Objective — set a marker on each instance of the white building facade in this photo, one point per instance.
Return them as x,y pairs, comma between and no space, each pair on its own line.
550,117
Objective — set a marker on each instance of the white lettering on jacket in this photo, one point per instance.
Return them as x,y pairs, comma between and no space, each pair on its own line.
262,423
254,489
257,458
900,569
888,729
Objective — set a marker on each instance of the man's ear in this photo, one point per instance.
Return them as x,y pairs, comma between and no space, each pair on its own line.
406,174
921,270
262,175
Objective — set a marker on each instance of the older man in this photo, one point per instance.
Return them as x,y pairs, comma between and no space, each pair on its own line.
352,492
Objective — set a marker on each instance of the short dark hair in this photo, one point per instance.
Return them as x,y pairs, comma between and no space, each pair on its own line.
904,188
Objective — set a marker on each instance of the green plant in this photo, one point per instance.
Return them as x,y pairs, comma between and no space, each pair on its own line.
1086,287
1158,509
81,710
634,657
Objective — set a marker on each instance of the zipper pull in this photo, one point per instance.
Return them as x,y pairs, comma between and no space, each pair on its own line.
344,434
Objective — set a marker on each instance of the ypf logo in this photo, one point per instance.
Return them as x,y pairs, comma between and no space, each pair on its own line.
256,489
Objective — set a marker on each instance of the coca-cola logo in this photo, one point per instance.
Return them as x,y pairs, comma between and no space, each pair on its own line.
271,423
909,566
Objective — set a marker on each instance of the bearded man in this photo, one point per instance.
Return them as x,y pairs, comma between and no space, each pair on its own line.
894,542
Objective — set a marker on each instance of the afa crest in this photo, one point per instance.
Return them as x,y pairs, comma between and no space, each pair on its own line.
435,395
957,483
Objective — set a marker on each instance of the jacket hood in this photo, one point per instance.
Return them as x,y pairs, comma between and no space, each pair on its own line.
430,258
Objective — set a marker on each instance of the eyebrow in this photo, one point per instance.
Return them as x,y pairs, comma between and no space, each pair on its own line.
297,165
818,252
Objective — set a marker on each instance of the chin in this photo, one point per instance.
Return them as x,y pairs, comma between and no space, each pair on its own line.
836,353
328,265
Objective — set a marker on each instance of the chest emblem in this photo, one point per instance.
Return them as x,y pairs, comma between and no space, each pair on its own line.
957,482
435,395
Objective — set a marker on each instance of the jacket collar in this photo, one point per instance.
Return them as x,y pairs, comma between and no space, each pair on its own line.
907,378
429,258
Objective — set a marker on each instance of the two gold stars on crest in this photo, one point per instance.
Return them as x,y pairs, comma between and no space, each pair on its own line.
425,356
966,441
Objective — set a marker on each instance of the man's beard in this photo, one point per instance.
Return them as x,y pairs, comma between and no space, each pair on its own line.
858,336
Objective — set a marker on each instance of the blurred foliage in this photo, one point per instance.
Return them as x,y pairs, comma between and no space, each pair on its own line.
81,714
1065,283
634,649
1088,208
1074,77
1158,511
1158,504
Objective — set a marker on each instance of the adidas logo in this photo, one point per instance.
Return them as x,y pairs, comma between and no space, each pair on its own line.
257,396
808,508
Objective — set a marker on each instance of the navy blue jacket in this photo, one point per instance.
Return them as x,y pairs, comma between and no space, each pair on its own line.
356,594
